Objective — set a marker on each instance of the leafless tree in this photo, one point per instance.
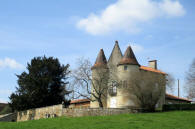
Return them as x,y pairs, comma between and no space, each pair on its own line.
190,81
147,90
84,86
170,83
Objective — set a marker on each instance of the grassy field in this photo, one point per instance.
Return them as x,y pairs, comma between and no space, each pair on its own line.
165,120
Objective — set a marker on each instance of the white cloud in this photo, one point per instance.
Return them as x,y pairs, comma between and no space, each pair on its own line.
10,63
172,8
126,14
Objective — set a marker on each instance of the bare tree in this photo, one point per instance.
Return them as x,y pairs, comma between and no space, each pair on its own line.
93,87
147,90
190,81
170,82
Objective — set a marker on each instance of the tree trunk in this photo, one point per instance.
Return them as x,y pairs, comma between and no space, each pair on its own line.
100,104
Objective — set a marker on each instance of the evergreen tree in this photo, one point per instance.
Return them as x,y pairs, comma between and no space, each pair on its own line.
44,84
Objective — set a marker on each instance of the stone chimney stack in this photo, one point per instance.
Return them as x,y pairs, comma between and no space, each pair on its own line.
152,64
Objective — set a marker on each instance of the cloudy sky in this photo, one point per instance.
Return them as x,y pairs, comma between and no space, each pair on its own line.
156,29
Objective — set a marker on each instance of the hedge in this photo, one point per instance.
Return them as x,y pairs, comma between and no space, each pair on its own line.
170,107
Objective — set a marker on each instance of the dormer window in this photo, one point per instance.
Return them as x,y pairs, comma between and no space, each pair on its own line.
125,67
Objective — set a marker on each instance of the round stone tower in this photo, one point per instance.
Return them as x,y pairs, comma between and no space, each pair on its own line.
113,61
100,75
127,68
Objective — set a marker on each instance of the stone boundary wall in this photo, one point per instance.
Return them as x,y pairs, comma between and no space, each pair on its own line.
38,113
58,110
76,112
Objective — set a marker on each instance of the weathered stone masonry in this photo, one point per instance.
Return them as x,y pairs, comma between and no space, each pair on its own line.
58,110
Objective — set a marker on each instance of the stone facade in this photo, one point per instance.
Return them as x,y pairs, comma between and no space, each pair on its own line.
123,68
58,110
38,113
95,111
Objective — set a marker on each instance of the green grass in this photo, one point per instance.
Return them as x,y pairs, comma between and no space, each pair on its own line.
164,120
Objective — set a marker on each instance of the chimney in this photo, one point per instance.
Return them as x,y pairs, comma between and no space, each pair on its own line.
152,64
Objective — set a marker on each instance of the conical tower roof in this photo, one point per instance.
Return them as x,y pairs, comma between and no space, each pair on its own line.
100,60
116,55
129,58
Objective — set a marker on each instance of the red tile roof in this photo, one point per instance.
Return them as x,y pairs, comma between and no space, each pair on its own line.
79,101
177,98
151,70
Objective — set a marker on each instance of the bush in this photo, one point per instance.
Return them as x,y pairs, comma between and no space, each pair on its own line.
170,107
6,110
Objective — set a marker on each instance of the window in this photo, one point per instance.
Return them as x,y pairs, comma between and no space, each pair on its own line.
113,88
125,67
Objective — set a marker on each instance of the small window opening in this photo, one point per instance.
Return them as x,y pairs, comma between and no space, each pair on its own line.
113,88
125,67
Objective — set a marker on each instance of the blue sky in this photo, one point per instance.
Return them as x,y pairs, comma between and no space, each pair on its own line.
160,29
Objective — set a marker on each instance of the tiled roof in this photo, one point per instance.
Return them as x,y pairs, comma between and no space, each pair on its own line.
176,98
79,101
151,70
129,58
100,60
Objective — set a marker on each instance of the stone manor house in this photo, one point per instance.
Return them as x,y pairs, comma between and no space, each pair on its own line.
125,67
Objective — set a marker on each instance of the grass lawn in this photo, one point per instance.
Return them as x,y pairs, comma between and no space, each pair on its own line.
164,120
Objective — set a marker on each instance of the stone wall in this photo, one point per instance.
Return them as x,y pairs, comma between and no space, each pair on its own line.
58,110
38,113
95,111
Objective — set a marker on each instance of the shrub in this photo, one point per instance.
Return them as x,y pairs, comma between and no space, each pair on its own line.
6,110
170,107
